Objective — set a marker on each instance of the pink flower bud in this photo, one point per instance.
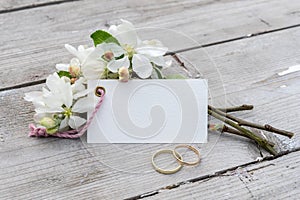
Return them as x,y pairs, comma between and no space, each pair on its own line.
108,55
123,74
74,71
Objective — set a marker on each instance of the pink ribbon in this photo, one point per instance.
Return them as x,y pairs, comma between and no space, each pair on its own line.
41,131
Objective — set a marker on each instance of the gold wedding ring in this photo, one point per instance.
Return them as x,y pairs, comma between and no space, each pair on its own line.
165,171
179,158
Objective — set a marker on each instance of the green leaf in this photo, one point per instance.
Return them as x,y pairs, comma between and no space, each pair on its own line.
103,36
64,73
158,72
175,76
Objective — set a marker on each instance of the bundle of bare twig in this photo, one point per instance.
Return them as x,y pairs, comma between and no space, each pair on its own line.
235,125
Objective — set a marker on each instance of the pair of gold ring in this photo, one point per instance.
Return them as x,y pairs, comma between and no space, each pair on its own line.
178,157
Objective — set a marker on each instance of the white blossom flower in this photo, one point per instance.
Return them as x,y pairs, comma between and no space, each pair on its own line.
93,66
111,51
82,52
87,59
59,99
141,53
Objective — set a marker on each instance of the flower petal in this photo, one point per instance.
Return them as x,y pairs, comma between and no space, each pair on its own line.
78,86
125,33
76,122
114,65
75,62
66,94
33,96
64,123
93,66
60,91
114,48
83,105
45,109
71,49
152,51
113,30
53,82
82,93
93,70
92,73
160,61
62,67
141,65
81,53
52,102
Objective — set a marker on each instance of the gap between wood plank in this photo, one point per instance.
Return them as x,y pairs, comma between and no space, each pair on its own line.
235,39
168,53
36,6
208,176
23,85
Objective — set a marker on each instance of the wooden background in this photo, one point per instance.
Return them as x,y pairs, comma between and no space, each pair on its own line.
240,47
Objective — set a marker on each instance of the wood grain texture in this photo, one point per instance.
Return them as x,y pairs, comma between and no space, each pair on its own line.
243,71
273,179
76,170
56,168
32,40
15,5
250,63
248,72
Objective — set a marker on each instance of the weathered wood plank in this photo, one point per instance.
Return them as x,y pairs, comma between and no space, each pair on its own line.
248,72
72,169
32,40
75,170
50,168
253,62
13,5
275,179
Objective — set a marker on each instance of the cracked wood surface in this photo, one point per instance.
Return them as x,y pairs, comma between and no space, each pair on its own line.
243,71
274,179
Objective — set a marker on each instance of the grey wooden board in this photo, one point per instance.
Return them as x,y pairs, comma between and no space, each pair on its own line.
247,72
72,169
274,179
253,63
35,37
51,168
13,5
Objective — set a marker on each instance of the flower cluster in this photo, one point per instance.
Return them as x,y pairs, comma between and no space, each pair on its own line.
118,53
